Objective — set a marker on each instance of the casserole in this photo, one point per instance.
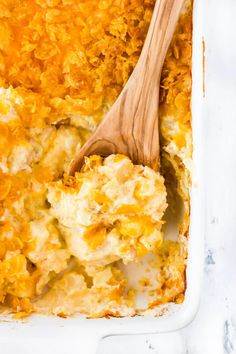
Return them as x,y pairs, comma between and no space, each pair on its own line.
80,335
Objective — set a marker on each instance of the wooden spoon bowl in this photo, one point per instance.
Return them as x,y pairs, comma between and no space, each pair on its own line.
131,126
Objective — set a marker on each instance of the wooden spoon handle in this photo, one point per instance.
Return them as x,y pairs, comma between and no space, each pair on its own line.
142,98
141,95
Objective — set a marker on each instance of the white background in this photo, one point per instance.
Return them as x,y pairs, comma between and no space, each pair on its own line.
214,329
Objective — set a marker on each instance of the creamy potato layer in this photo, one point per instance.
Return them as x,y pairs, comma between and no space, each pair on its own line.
110,211
65,241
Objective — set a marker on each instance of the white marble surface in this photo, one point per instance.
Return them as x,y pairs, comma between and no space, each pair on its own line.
214,329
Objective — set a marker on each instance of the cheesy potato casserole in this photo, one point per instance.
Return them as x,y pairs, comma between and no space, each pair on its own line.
65,241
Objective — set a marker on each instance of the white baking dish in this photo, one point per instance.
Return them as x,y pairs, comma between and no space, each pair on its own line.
40,334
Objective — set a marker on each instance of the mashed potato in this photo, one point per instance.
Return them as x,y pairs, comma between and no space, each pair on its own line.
111,210
74,293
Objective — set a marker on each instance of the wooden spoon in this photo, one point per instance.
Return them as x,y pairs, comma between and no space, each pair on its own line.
131,126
